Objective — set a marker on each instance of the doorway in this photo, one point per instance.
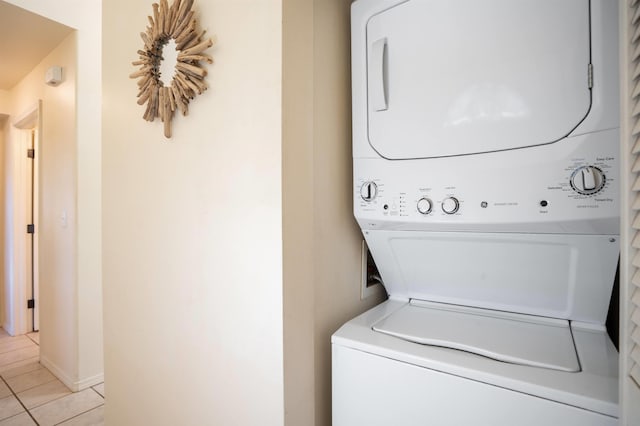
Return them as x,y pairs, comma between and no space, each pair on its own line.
29,131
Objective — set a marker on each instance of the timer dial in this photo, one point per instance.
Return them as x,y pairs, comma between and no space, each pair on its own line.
368,191
424,206
587,180
450,205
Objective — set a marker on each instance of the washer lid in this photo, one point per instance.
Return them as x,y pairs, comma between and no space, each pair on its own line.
450,78
513,338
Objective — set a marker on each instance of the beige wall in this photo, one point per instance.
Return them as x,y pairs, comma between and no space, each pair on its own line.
192,230
337,237
298,212
194,226
83,305
321,239
4,100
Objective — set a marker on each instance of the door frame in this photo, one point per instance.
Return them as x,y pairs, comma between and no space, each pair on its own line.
25,124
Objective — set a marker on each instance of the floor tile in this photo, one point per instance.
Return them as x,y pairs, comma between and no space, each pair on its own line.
19,355
94,417
30,380
9,407
67,407
13,343
100,389
42,394
4,390
20,367
22,419
35,336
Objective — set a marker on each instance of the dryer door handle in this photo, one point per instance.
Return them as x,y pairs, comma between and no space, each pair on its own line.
378,75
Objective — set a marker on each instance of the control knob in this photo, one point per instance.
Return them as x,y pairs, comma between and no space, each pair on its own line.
587,180
450,205
368,191
424,206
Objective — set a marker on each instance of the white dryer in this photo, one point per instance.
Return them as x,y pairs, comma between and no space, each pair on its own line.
485,146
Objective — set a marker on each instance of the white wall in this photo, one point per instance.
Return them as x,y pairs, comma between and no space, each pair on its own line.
4,108
3,126
57,245
84,357
192,229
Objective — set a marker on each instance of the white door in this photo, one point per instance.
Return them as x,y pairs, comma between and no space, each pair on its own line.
31,246
29,128
450,78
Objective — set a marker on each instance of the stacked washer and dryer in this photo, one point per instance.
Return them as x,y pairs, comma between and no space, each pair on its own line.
485,149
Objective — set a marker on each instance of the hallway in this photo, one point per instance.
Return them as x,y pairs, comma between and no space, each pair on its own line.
31,395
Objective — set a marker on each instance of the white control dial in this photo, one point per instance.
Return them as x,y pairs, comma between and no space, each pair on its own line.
587,180
424,205
368,191
450,205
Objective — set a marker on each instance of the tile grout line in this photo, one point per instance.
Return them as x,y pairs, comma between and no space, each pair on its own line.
99,394
29,337
28,411
79,414
52,400
19,401
40,384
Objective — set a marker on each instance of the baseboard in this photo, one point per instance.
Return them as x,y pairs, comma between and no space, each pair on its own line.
90,381
9,329
73,385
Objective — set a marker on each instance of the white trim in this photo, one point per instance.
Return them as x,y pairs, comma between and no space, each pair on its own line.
15,288
628,390
74,385
8,327
90,381
30,118
17,318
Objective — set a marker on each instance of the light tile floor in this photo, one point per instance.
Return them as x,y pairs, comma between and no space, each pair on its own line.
31,395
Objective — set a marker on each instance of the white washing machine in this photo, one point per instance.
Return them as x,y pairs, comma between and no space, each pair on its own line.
485,146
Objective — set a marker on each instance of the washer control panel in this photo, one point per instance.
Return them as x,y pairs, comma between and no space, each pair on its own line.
574,189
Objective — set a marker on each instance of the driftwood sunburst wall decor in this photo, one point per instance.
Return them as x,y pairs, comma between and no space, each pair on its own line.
175,23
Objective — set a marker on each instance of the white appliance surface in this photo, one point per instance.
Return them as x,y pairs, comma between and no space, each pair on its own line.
503,336
409,395
526,190
485,148
562,276
492,98
516,76
594,389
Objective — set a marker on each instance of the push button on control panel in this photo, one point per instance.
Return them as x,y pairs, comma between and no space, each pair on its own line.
450,205
424,206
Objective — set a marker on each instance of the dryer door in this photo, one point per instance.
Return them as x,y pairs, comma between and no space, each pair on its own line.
452,78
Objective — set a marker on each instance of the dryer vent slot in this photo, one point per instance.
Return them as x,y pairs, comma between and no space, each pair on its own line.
371,279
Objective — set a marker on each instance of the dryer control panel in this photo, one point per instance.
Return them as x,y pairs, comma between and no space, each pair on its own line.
566,187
